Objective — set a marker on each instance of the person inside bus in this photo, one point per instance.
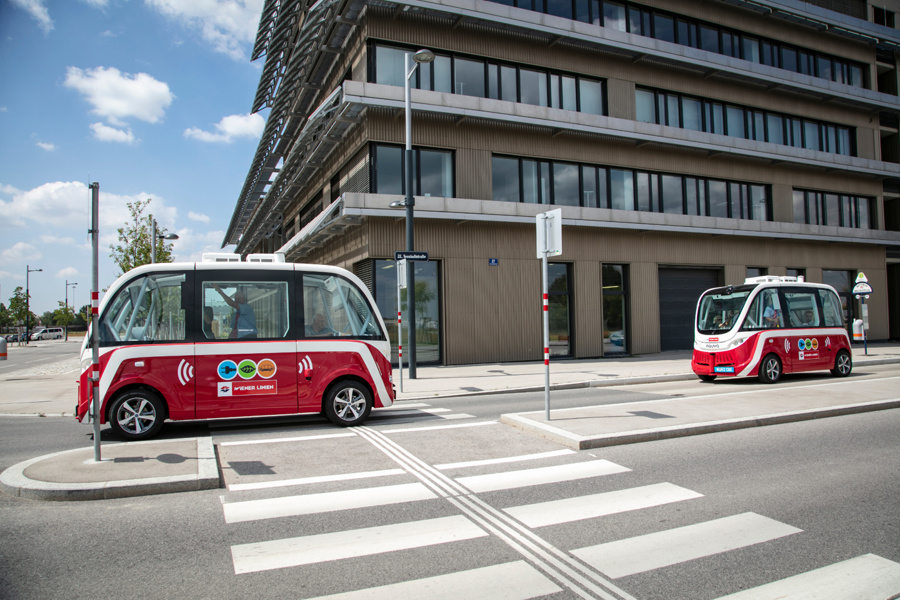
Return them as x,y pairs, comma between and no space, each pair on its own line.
808,319
210,325
244,325
319,327
770,315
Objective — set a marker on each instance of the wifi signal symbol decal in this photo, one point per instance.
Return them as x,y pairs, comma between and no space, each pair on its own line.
185,372
306,363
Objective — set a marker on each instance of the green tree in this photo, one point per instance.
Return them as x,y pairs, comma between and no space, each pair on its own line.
134,249
64,315
18,307
6,318
83,316
47,319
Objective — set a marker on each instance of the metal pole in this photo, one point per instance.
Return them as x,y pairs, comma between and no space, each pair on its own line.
410,235
27,309
152,240
95,306
546,311
399,329
67,310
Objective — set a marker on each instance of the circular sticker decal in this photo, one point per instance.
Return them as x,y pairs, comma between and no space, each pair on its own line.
809,344
227,369
247,369
815,345
266,368
801,345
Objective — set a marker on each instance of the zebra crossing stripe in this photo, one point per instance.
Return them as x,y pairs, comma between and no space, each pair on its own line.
673,546
262,485
306,550
309,504
861,578
506,459
529,477
510,581
598,505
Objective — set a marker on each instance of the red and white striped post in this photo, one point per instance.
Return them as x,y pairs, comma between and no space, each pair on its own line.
95,309
549,243
401,284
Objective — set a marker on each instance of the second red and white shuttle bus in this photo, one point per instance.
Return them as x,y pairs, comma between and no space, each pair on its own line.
236,339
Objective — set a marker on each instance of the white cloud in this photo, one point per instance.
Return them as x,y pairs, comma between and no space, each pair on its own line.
198,217
38,11
229,25
62,241
117,96
47,146
67,272
105,133
97,3
230,128
192,244
8,275
20,252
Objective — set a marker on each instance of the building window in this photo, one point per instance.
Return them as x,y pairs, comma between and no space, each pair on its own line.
570,184
559,291
615,302
470,76
798,273
662,25
428,309
834,210
433,171
757,271
677,110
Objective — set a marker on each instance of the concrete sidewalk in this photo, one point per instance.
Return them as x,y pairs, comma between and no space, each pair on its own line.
190,464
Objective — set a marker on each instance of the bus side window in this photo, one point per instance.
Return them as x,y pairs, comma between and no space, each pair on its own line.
149,309
831,307
802,309
332,306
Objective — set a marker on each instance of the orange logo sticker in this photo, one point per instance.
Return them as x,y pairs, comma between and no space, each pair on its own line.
266,368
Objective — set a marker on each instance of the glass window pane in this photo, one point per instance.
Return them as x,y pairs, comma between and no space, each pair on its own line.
544,170
751,49
388,170
554,92
735,121
811,135
831,307
534,87
776,129
718,117
493,82
560,8
614,16
583,11
614,341
436,177
823,67
530,193
832,210
508,84
149,309
690,196
839,280
759,126
709,39
621,193
789,59
862,213
588,186
691,115
663,28
646,106
332,306
560,343
759,205
602,191
644,191
634,22
673,117
565,184
673,199
591,96
569,94
718,199
441,71
389,66
799,200
505,179
856,76
469,77
428,314
846,211
248,309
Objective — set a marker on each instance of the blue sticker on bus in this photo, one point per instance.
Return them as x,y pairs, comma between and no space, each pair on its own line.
724,369
227,369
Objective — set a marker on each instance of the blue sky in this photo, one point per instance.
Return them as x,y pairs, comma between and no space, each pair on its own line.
150,98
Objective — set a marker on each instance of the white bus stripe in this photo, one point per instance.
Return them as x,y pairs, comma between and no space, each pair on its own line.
598,505
511,581
292,552
861,578
506,459
261,485
528,477
291,506
673,546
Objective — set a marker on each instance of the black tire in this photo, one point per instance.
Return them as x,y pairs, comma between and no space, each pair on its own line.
770,369
707,377
348,403
843,364
136,415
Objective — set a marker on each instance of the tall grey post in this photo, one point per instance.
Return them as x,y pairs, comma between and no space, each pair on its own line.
410,235
95,321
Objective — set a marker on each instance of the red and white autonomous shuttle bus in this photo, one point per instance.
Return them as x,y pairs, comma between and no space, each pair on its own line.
770,326
225,338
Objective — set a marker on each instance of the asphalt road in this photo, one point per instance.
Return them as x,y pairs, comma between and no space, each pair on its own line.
451,491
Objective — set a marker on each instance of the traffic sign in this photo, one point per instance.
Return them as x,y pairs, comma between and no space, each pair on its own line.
413,256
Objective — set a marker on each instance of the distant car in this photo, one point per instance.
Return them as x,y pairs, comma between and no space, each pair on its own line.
617,338
49,333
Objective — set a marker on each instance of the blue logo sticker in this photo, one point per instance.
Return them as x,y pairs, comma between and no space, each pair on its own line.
227,369
801,345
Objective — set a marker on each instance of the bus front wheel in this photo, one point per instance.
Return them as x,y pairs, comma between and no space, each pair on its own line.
707,377
770,369
348,403
136,415
843,364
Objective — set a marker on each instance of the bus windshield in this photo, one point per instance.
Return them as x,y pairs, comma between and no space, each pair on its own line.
720,308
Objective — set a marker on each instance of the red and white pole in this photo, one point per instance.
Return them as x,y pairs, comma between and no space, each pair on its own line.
95,322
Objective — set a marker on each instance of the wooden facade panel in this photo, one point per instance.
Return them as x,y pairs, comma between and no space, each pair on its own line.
587,309
644,307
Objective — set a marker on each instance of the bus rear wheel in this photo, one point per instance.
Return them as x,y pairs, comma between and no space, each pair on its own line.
707,377
348,403
843,364
770,369
136,415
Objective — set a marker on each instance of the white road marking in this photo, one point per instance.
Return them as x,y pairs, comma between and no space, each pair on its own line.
505,459
529,477
598,505
292,552
433,427
655,550
261,485
290,506
302,438
861,578
511,581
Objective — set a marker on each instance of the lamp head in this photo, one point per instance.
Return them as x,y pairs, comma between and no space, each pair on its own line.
423,56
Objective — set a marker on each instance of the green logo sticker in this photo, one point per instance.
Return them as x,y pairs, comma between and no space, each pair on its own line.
247,369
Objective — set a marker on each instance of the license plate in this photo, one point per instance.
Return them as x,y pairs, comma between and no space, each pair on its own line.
724,369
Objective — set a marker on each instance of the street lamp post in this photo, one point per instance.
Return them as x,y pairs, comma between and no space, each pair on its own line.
28,271
422,56
154,236
68,285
